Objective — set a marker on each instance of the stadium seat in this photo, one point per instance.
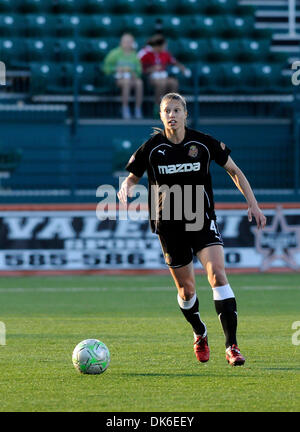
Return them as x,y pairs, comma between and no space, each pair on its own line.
219,6
40,25
40,50
210,78
173,26
6,6
59,78
65,49
254,50
100,25
204,25
46,77
104,84
237,26
11,25
128,6
223,49
12,52
141,25
34,6
190,7
191,50
186,84
85,73
267,78
74,6
160,7
104,25
235,77
98,6
64,6
69,25
97,49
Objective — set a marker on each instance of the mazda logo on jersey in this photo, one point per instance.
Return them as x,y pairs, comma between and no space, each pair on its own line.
178,168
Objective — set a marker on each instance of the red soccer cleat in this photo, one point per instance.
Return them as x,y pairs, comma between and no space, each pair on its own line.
234,356
201,349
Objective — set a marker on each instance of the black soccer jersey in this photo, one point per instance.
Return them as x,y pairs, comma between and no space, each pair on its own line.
186,163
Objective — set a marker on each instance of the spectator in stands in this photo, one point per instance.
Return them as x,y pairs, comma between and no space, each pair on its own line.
123,63
155,60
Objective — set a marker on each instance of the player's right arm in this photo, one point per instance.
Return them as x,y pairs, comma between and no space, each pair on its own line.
126,187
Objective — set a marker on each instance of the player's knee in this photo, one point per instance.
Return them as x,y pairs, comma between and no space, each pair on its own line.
186,289
217,276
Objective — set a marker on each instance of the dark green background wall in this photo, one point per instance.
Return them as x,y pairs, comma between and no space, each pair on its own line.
53,158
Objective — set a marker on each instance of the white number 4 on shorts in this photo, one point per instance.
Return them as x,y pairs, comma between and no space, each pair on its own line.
213,227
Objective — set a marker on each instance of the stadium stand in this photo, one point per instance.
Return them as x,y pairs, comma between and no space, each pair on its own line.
199,31
54,49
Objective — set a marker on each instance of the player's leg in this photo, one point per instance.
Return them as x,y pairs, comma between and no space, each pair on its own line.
212,259
178,257
184,279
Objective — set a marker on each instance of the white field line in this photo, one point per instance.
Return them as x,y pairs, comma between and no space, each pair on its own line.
131,289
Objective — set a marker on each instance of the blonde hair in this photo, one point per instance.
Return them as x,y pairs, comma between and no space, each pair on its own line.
176,97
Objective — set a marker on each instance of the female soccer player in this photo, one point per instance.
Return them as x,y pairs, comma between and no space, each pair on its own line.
178,158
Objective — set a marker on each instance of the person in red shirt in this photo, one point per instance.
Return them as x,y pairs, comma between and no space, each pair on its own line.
155,59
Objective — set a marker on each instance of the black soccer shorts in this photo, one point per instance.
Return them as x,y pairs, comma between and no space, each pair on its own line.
178,247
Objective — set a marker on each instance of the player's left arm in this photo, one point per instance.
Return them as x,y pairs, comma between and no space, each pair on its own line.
243,185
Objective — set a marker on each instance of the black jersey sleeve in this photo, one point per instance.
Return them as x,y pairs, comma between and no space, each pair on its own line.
219,151
137,163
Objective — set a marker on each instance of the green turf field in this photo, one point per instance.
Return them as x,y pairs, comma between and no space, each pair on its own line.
153,367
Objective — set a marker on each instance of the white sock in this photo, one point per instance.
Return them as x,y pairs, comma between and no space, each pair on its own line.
222,292
186,304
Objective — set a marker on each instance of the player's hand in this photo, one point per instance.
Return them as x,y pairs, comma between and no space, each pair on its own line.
255,211
123,192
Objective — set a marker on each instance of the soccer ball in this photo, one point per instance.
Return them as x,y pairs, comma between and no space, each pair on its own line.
91,356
